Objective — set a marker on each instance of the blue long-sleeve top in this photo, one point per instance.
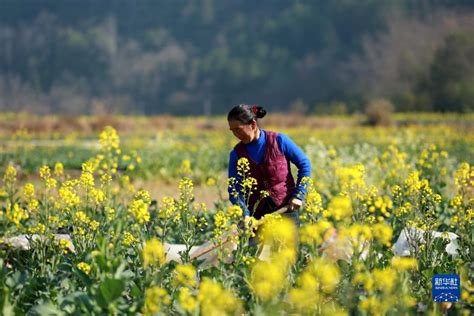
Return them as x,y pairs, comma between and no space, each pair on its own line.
256,150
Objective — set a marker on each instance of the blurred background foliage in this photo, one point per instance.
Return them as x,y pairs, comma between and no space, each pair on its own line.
202,56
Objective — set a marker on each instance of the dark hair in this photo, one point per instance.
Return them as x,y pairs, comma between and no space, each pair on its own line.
245,113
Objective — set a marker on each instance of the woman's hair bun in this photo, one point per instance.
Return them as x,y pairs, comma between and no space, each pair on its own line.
259,111
245,113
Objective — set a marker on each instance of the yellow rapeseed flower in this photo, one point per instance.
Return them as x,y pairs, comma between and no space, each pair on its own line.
29,196
187,301
267,280
143,195
37,229
9,177
383,232
68,196
44,172
58,169
249,184
220,220
464,176
234,211
210,182
340,207
243,167
319,278
16,214
185,168
351,178
326,274
45,175
94,225
384,279
413,183
153,253
29,191
129,239
313,234
184,275
373,305
81,217
403,264
84,267
139,209
87,179
105,179
109,139
110,213
167,208
186,188
314,203
155,297
278,231
214,300
33,204
98,196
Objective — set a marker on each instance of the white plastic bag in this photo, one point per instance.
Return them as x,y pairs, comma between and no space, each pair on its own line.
415,236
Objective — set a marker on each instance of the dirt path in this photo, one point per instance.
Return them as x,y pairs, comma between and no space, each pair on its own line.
203,193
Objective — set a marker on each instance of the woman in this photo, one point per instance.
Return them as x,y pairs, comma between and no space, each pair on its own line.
269,155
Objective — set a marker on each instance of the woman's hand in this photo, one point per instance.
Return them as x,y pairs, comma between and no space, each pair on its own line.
294,204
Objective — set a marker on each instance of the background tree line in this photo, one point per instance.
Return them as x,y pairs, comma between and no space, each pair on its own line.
202,56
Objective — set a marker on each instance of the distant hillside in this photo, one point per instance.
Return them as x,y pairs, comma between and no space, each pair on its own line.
203,56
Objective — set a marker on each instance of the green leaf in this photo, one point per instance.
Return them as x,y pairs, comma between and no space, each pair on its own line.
439,244
344,266
121,273
16,281
101,262
65,284
47,309
428,274
111,289
135,291
7,307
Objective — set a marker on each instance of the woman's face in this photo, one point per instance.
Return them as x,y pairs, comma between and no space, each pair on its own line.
245,132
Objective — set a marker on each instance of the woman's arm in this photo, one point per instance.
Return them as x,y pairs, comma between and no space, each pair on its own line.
295,155
235,193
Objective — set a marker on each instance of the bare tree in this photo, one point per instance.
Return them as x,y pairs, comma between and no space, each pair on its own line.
391,62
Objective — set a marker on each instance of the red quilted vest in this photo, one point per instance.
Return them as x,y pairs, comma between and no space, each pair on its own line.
273,175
